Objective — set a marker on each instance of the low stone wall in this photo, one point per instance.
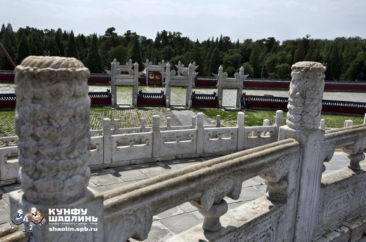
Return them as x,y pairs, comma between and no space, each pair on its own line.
115,146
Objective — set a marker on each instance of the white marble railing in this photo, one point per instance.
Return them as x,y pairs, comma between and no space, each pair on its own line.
115,146
205,185
340,188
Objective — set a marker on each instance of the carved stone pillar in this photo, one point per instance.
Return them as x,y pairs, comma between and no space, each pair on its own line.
52,124
135,83
220,79
303,121
167,85
191,75
114,73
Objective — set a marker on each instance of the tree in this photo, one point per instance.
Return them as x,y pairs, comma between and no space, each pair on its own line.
23,49
300,52
357,69
71,50
93,61
283,71
136,53
215,61
120,53
255,61
334,65
248,69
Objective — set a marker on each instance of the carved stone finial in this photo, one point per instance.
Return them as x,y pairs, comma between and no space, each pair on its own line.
221,69
52,123
306,93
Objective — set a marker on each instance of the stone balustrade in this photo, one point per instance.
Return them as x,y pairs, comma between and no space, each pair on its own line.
115,146
204,185
301,204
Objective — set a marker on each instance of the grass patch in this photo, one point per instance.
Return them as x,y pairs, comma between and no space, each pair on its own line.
255,117
131,117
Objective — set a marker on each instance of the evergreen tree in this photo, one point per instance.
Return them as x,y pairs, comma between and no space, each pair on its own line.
300,52
136,53
119,53
23,49
333,71
60,45
93,61
248,69
255,61
71,50
215,61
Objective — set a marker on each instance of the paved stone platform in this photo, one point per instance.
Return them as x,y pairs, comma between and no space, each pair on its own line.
175,220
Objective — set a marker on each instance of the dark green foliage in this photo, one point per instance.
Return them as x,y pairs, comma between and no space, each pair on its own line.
119,53
264,58
136,53
215,61
23,49
93,61
71,50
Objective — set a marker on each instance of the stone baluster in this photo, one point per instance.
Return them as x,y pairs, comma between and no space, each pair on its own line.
241,130
218,121
114,73
190,84
303,120
266,122
168,123
107,141
167,85
220,79
322,124
156,136
52,124
240,89
135,84
348,123
200,133
115,126
142,124
194,121
355,152
278,122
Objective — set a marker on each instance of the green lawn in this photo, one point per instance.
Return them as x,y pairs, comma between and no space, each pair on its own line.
131,117
255,117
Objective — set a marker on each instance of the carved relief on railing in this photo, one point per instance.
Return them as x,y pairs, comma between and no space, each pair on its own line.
205,185
8,141
351,139
306,92
276,180
132,223
212,204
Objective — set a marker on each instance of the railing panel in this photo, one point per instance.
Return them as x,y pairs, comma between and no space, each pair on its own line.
127,147
178,142
96,150
259,135
9,164
220,140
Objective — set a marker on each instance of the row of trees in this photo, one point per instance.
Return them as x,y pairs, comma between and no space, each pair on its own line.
265,58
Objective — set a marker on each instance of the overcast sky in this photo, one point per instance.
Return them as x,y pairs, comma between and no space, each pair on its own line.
197,19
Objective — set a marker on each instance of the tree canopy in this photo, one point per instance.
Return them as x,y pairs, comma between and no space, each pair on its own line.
345,58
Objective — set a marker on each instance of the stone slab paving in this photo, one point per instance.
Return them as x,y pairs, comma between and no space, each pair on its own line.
177,219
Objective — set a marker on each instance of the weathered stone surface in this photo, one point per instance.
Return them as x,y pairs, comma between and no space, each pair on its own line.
306,93
52,123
